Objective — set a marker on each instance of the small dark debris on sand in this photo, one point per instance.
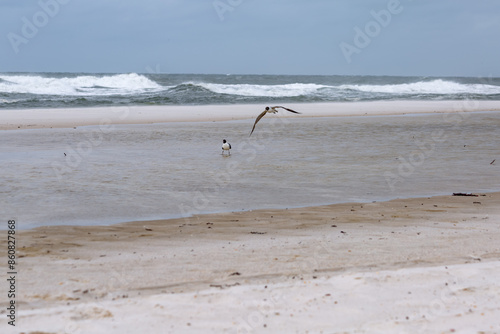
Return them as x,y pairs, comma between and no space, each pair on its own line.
220,286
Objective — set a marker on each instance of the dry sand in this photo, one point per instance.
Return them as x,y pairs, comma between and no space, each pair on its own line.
71,117
422,265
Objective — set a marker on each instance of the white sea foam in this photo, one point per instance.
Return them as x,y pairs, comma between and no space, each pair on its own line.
8,101
428,87
437,87
119,84
56,90
295,89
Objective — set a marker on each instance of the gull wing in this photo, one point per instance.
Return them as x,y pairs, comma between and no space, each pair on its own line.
290,110
258,119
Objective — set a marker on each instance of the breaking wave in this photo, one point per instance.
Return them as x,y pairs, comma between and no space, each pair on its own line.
56,90
437,87
85,85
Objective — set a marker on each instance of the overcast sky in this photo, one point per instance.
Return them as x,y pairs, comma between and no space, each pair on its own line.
346,37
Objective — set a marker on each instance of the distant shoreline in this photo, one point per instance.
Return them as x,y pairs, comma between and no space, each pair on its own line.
13,119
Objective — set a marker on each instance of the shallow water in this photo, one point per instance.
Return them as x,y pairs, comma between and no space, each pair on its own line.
139,172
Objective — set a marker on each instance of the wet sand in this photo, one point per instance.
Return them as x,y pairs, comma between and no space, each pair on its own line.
406,265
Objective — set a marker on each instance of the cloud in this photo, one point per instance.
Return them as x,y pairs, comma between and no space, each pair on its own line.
254,36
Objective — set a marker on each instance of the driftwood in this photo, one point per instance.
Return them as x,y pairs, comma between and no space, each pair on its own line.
465,194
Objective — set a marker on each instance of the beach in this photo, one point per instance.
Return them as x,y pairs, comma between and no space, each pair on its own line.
338,220
403,266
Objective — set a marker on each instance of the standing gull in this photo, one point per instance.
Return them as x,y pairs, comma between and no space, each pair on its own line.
270,110
226,147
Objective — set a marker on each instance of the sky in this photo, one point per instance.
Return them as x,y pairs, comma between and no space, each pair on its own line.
308,37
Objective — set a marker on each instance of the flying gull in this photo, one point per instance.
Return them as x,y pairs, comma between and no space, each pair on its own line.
270,110
226,147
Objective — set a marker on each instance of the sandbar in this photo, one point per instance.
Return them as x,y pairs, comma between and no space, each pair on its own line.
72,117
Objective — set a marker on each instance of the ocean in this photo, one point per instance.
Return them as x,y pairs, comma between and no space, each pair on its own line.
63,90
